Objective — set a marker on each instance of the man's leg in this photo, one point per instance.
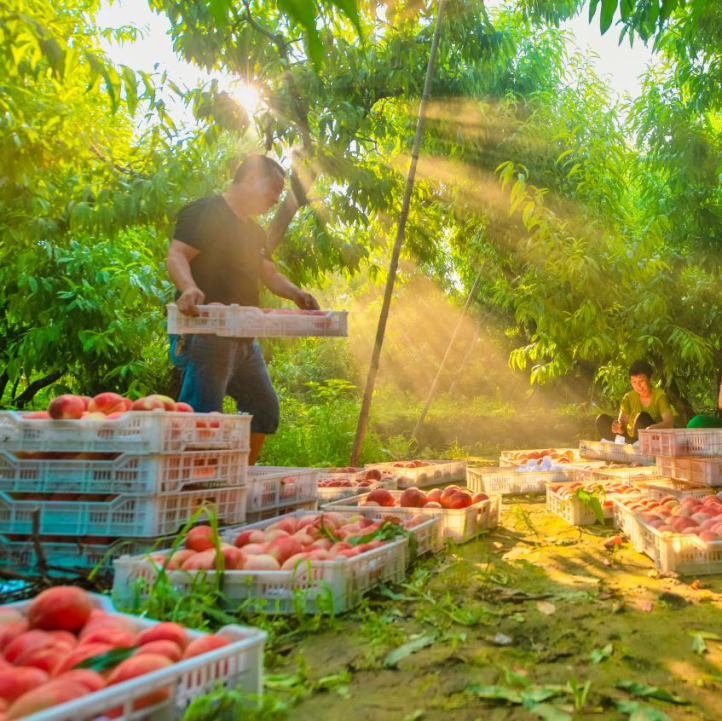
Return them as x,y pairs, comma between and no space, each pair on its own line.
604,427
642,421
207,363
250,386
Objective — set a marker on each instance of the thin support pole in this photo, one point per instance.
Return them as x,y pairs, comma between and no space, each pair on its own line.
442,366
400,233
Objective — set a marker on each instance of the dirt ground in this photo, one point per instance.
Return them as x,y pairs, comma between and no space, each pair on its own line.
537,619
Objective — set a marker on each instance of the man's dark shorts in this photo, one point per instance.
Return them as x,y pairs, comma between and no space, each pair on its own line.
214,367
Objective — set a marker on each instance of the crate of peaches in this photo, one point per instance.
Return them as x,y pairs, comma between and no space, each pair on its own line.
337,483
463,513
537,455
68,655
300,562
237,321
681,536
584,504
424,473
109,423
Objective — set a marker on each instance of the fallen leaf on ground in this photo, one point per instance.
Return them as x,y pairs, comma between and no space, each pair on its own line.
547,608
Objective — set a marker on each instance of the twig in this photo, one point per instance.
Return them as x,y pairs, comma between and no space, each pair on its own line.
41,560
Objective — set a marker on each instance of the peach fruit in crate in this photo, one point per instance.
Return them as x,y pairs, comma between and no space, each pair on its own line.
449,497
699,517
339,477
104,406
606,488
552,453
39,650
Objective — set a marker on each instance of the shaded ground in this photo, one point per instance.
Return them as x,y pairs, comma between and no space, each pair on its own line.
532,607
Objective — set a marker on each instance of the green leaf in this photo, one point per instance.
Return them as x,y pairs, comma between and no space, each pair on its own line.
108,660
547,712
668,7
495,693
131,88
600,654
698,645
609,7
653,692
407,649
350,10
640,712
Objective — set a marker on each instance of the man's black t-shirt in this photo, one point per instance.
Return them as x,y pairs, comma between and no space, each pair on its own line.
228,267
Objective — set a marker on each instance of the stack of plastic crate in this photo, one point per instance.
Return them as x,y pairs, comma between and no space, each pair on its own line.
70,490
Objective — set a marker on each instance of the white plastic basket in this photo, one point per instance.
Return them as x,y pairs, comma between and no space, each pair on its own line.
510,481
627,474
625,520
660,487
270,514
577,512
507,458
459,524
693,468
133,432
433,474
248,322
124,516
681,442
608,451
328,494
274,488
331,586
237,665
128,473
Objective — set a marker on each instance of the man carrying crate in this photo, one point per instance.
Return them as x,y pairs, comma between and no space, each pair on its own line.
218,255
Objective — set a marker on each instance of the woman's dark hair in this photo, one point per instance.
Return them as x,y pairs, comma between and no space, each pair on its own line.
641,368
259,163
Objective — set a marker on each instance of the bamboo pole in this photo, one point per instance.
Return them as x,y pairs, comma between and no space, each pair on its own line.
442,366
398,243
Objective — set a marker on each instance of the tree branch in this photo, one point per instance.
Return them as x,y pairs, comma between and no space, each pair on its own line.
31,391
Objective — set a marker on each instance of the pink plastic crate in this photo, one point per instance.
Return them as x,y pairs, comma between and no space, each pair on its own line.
681,442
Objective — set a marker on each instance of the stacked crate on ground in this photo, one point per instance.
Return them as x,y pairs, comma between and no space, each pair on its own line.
276,489
608,451
424,473
681,442
88,483
238,665
512,481
458,524
661,487
516,458
626,521
312,587
333,486
235,321
696,469
630,475
564,501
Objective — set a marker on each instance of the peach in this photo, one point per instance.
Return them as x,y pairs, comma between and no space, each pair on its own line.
26,643
36,416
261,562
10,615
168,403
432,504
273,535
99,618
257,536
44,697
204,644
180,557
14,682
10,631
373,474
107,403
253,549
62,608
81,653
412,498
242,539
381,496
149,403
199,539
92,680
205,561
66,406
116,637
710,536
324,543
183,408
163,648
307,521
460,500
166,631
233,558
139,666
283,548
479,497
290,563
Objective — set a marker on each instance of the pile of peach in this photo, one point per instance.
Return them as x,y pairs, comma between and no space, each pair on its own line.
280,546
104,406
604,488
693,516
40,652
411,464
370,480
551,453
450,497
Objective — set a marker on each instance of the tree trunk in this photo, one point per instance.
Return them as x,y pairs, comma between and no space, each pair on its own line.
36,386
681,404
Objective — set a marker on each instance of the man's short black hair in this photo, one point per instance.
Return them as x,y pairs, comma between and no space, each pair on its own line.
641,368
258,163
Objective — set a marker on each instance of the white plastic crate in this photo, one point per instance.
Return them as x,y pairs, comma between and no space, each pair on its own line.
506,458
433,474
682,553
459,524
608,451
133,432
120,516
585,471
693,468
627,474
681,442
577,512
19,552
237,665
625,519
510,481
128,473
274,488
660,487
248,322
328,494
272,513
313,587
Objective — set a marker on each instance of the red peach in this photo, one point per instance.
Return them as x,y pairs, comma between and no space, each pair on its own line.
67,407
205,561
62,608
261,562
163,648
107,403
166,631
116,637
179,558
50,694
199,539
381,496
139,666
10,631
412,498
14,682
183,408
204,644
81,653
92,680
479,497
149,403
26,643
